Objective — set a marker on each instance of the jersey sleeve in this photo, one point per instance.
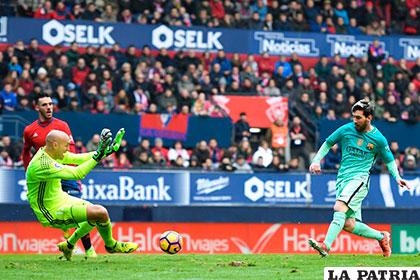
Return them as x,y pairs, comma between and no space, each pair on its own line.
26,151
77,159
336,136
384,150
49,169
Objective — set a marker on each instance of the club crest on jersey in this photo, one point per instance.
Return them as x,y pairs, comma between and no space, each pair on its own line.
370,146
359,142
35,135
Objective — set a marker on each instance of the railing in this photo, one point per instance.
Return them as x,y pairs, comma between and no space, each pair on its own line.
13,124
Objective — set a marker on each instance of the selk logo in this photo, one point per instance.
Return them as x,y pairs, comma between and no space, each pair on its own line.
277,44
346,45
274,191
54,33
164,37
411,47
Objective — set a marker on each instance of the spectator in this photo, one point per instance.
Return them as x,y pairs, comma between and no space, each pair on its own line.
410,163
298,138
202,152
80,72
160,148
215,152
412,24
79,146
241,165
226,165
93,143
45,11
142,160
333,158
354,28
376,28
376,54
265,152
5,159
178,151
242,127
61,12
9,99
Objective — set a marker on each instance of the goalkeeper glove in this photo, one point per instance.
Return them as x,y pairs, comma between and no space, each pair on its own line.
106,138
115,146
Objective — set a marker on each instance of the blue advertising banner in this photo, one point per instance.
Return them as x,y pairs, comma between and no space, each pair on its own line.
53,32
249,189
111,187
136,187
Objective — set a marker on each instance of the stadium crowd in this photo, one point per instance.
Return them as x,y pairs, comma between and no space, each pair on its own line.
133,81
372,17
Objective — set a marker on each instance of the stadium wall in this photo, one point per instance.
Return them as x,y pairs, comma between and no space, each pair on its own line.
311,45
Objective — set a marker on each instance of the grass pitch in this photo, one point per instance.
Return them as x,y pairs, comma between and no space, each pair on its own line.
124,267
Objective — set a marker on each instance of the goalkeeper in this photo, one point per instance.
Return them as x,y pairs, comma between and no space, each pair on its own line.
54,207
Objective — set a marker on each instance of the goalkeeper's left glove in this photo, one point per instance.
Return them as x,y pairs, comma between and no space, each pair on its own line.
115,145
106,138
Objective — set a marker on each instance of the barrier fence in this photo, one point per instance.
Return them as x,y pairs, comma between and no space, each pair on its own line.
223,238
184,188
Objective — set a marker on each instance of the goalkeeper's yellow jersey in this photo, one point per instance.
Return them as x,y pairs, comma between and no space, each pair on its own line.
43,178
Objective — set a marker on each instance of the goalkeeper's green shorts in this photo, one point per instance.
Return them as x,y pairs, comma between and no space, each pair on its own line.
65,215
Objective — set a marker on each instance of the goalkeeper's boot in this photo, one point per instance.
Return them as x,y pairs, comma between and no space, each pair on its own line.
319,246
122,247
90,253
385,244
64,248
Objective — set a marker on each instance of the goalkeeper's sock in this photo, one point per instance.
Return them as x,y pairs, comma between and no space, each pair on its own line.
336,226
84,228
86,242
105,230
364,230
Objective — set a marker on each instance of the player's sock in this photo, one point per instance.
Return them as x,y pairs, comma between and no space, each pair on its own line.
86,242
364,230
105,230
84,228
336,226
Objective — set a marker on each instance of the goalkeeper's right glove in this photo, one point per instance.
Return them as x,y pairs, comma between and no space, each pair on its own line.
115,146
106,138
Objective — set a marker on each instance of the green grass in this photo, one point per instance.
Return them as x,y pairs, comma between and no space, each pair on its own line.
187,266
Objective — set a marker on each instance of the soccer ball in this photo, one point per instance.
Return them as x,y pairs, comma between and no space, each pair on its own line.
170,242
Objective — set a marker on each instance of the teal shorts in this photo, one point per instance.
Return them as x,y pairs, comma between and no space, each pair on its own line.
352,192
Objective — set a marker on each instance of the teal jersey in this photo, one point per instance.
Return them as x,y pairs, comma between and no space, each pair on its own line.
43,178
359,150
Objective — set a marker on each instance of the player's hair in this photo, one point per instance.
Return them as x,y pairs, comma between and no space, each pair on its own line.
39,96
364,105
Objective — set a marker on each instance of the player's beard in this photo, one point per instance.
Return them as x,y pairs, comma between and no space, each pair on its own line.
46,116
361,127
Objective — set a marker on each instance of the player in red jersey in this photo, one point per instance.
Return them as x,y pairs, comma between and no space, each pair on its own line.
34,137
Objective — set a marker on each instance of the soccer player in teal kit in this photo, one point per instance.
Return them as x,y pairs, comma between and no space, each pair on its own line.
361,143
